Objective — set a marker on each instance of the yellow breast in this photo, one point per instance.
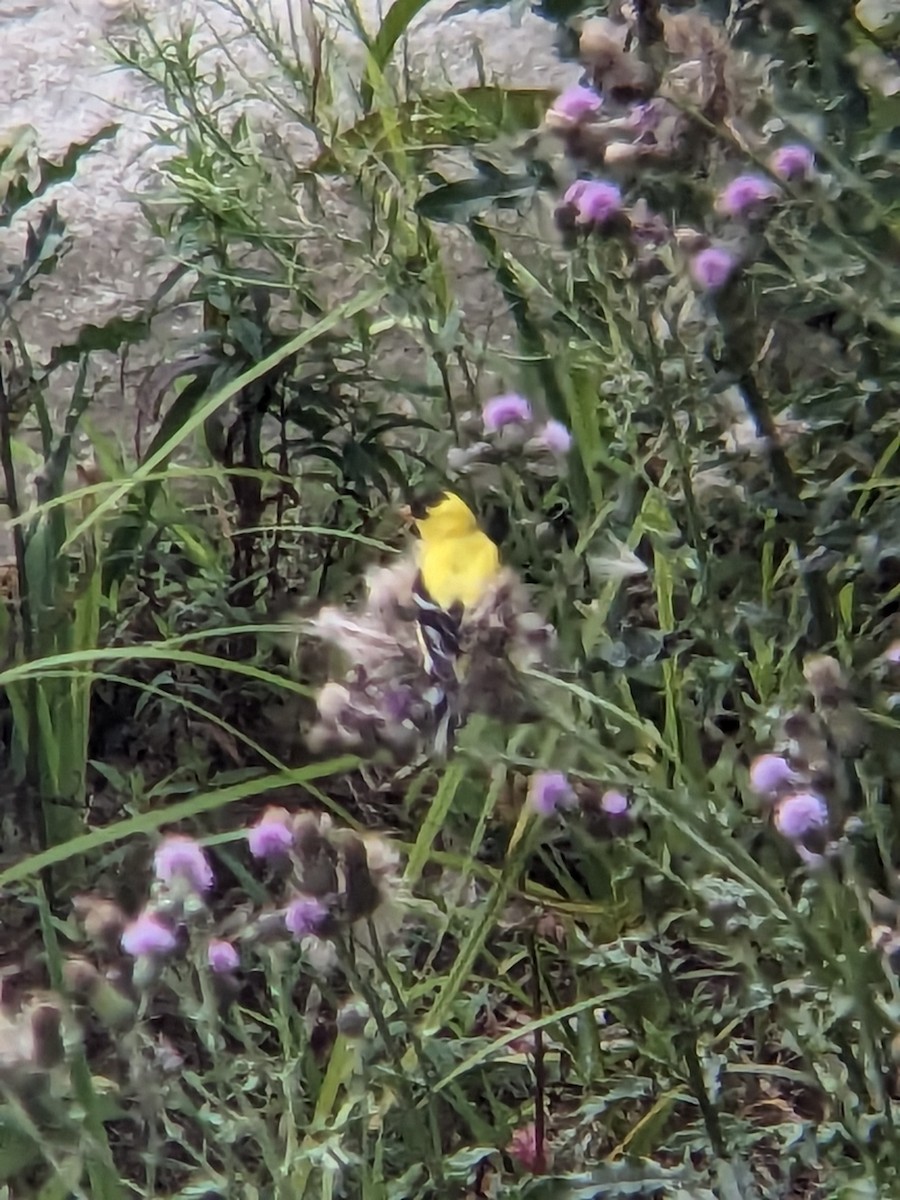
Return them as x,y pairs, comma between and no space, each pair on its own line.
459,570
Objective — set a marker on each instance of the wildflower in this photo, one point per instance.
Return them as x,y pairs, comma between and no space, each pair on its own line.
826,680
271,836
554,436
712,268
147,936
614,804
508,409
166,1055
523,1149
46,1030
594,201
351,1018
575,104
744,194
305,916
549,791
801,814
316,857
80,976
102,919
501,636
222,956
770,773
793,161
181,858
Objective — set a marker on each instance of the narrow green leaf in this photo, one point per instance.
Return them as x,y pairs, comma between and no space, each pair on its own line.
434,821
88,843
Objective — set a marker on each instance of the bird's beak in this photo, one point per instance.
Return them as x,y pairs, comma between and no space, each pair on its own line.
406,515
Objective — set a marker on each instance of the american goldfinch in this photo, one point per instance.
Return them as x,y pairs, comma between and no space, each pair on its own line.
457,562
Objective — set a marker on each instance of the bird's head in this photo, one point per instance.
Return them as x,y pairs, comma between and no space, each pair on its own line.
442,516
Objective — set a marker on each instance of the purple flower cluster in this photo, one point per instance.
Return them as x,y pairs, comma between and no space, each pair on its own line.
305,916
770,774
745,195
508,409
614,803
148,936
576,104
222,957
271,836
555,437
550,791
181,859
594,201
800,814
511,410
792,162
712,268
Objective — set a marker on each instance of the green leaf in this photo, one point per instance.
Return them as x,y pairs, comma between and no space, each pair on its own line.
17,1151
397,20
468,198
468,117
116,333
611,1181
19,191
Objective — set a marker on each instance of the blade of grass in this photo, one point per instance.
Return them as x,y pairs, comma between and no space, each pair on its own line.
86,658
434,821
149,822
517,854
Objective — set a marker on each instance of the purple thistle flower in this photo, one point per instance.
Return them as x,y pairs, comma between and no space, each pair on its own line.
305,915
271,836
745,193
147,936
769,773
549,791
712,268
614,803
508,409
793,161
222,957
800,814
555,437
594,201
576,103
181,858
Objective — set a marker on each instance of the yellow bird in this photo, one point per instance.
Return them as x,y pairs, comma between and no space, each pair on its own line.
458,562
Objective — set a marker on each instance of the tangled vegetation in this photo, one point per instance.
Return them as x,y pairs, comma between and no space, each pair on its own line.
637,932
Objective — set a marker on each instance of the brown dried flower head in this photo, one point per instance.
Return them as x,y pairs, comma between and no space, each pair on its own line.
383,700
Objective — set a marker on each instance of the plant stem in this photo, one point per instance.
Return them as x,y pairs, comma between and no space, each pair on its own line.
540,1080
33,817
